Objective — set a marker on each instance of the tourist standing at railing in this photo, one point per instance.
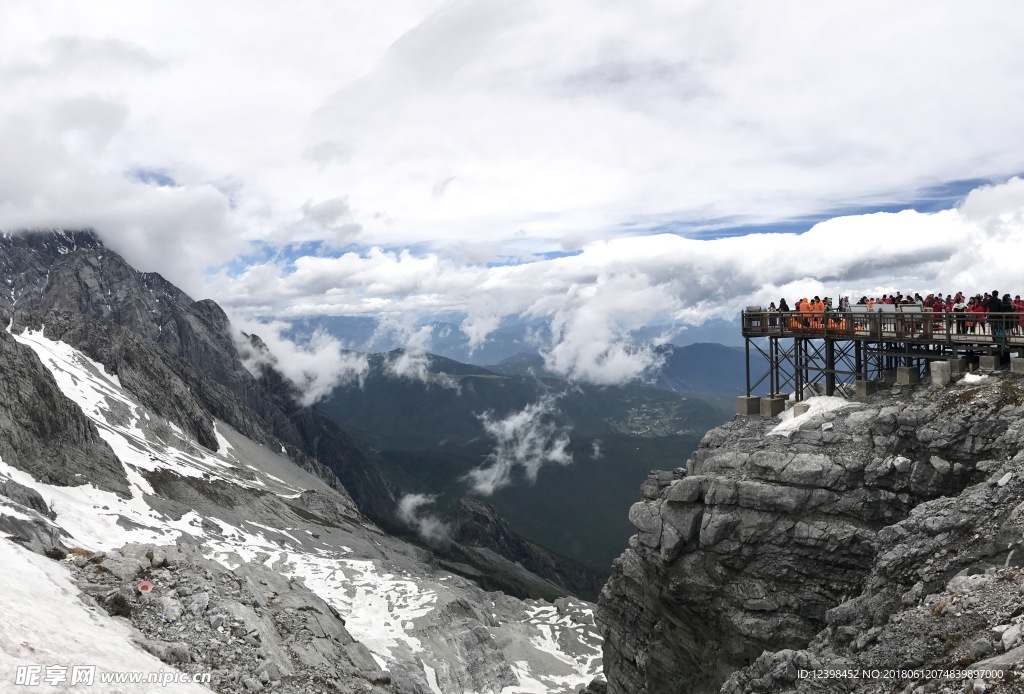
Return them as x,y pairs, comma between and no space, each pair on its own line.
972,315
945,306
773,315
1002,320
818,309
1018,307
960,308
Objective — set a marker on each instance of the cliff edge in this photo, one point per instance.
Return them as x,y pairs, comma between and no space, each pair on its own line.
810,533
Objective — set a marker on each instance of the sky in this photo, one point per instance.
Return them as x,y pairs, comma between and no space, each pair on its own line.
597,165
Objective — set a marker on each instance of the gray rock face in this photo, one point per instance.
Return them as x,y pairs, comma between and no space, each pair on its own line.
477,524
942,595
750,546
31,523
28,498
44,433
473,661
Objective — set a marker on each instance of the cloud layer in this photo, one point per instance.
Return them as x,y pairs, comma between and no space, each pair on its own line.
416,158
487,128
595,298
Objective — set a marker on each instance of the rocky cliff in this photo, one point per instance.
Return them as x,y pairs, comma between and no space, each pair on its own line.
176,355
820,530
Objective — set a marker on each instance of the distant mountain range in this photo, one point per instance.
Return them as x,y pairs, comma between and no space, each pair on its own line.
414,427
446,339
696,368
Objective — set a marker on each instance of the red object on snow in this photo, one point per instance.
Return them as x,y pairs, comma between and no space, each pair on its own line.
145,587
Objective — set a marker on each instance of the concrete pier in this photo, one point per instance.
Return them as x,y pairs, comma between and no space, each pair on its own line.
991,362
772,406
865,387
907,375
747,406
941,373
957,366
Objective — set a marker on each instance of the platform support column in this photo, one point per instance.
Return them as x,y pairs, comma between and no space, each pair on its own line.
830,367
746,345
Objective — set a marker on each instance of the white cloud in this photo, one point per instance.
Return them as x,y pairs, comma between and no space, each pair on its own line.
528,439
316,367
427,525
524,126
412,362
451,144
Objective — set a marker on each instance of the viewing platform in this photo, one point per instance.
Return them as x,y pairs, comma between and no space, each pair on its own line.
850,353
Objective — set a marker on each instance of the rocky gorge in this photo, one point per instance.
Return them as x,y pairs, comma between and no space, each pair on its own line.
877,533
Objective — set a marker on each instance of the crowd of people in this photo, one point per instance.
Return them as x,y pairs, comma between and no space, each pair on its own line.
987,314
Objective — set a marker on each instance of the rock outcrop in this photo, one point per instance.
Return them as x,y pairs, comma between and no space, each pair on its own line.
251,629
44,433
753,545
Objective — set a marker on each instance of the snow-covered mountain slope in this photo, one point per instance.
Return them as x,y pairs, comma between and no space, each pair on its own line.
248,505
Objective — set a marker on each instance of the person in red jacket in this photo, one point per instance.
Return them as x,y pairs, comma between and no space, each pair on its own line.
976,324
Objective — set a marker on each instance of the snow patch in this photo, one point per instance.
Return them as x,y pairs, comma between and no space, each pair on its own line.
431,675
817,406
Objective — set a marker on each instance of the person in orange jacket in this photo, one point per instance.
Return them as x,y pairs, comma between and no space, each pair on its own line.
818,311
803,308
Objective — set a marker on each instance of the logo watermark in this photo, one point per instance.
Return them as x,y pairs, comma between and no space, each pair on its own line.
89,675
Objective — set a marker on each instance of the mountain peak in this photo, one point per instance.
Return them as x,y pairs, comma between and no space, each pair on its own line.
53,241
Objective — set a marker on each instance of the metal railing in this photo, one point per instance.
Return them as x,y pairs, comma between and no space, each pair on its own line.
910,322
